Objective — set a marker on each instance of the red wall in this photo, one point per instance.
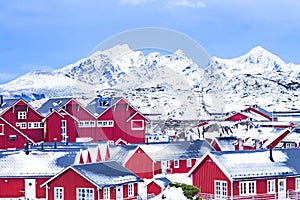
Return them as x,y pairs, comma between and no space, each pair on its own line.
140,164
6,143
153,188
204,175
15,187
182,166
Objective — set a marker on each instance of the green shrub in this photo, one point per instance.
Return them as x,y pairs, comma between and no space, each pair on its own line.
189,191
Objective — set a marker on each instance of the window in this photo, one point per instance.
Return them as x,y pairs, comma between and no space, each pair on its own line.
22,115
130,190
220,189
137,125
297,184
189,162
271,186
12,137
290,145
87,124
176,163
247,187
85,194
1,129
106,194
63,127
33,125
21,125
105,123
58,193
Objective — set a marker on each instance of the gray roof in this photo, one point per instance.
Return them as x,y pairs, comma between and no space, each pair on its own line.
164,151
38,163
100,104
257,164
227,143
105,174
7,103
163,181
52,104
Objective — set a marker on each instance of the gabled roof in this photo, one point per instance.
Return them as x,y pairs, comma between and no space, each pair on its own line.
161,181
256,164
226,143
7,103
52,104
176,150
121,153
38,163
103,174
100,104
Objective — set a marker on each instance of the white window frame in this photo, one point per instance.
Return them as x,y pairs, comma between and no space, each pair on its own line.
176,163
88,194
63,130
22,115
139,128
87,123
297,184
22,125
35,125
130,190
289,145
1,129
106,193
247,187
105,123
220,189
271,186
58,193
189,162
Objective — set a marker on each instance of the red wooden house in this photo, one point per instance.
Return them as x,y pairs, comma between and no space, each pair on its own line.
21,175
175,157
73,120
24,118
118,121
260,174
93,181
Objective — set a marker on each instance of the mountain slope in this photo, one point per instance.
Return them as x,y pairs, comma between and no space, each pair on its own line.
170,84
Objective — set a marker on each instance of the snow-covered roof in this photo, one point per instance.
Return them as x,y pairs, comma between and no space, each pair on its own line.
38,163
7,103
100,104
52,104
176,150
105,174
255,164
226,143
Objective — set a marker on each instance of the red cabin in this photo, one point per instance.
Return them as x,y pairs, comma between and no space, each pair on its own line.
93,181
259,174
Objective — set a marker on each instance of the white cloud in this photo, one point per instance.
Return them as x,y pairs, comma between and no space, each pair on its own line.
187,3
135,2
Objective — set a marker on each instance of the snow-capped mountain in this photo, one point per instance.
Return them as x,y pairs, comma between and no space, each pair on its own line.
169,84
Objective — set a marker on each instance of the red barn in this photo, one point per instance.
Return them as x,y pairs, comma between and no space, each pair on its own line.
25,118
93,181
21,175
118,120
259,174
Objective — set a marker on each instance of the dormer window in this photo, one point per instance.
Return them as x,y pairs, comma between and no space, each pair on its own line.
22,115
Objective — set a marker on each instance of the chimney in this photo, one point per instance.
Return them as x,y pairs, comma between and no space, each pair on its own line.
42,145
240,143
257,144
55,145
67,140
271,154
26,147
1,100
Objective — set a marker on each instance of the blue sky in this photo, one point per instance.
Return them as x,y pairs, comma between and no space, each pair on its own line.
46,35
